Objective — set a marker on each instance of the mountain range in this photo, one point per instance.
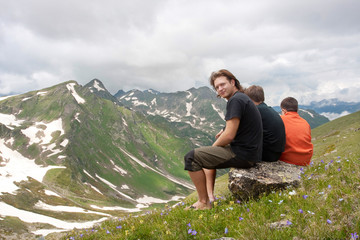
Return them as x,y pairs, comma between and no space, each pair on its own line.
199,107
75,147
71,155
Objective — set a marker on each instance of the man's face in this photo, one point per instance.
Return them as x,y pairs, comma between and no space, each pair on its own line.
224,87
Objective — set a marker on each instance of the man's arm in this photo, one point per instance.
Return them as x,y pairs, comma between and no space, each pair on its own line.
229,133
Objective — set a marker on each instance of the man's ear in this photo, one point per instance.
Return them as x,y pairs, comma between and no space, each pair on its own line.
232,82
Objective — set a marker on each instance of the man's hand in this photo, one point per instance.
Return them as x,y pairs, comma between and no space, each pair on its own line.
229,133
219,133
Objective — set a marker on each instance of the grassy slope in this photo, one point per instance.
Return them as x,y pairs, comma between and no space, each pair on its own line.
326,206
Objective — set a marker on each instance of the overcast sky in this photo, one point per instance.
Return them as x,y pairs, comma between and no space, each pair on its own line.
306,49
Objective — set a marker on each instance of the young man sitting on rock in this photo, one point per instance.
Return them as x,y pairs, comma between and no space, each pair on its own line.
239,145
273,126
298,146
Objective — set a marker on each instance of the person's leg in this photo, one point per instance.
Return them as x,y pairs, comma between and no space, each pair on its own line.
210,182
197,162
199,180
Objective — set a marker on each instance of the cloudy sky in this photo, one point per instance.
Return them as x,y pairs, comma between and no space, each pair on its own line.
307,49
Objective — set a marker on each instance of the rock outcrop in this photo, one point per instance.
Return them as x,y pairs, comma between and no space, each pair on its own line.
263,178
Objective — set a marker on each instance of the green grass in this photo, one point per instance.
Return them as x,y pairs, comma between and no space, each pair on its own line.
325,206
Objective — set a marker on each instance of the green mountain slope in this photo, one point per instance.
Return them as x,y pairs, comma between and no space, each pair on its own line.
108,155
325,206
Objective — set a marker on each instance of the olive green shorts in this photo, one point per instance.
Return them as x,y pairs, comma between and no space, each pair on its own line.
213,158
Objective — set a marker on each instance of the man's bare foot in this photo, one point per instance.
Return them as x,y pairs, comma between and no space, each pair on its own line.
201,206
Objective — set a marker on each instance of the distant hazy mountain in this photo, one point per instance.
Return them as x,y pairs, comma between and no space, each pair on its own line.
333,108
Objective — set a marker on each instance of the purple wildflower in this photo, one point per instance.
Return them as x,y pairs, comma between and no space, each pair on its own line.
305,196
288,223
354,236
248,210
189,231
301,211
339,169
329,186
226,230
194,232
107,231
241,218
329,221
119,227
189,224
338,157
322,161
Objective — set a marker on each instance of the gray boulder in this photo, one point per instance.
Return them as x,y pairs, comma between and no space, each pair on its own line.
263,178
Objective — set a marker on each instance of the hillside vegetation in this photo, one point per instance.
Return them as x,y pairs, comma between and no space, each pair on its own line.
325,206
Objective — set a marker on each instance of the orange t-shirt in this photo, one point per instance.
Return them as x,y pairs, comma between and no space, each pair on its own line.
298,146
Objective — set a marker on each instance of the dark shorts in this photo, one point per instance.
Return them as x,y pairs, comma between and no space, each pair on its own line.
213,158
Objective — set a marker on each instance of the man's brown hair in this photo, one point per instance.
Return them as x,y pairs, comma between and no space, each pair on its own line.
290,104
256,93
229,76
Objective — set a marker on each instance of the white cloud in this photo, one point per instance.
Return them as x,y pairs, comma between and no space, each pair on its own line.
306,49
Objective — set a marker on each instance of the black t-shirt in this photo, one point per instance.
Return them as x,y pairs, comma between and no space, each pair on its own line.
247,144
274,130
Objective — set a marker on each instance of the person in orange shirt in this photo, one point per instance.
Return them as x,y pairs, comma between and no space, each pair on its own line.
298,146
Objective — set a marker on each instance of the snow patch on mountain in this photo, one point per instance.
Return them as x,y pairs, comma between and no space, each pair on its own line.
15,168
138,103
153,102
312,115
112,186
30,217
59,208
51,193
188,108
10,120
25,99
149,200
189,95
41,93
221,114
71,88
41,132
117,208
97,86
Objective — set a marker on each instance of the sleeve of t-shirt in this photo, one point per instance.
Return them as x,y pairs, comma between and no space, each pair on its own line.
234,108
